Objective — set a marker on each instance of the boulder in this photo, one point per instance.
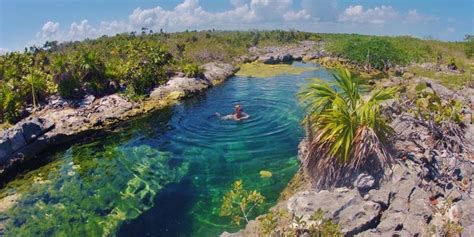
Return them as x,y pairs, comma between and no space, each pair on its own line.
332,203
17,140
215,73
5,150
267,59
364,182
357,218
35,127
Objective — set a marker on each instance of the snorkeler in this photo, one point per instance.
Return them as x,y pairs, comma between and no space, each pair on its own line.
238,114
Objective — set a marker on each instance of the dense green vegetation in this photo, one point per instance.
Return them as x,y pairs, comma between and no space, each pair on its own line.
347,133
130,63
135,63
382,51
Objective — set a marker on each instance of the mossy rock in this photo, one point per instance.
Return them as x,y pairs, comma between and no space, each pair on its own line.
176,95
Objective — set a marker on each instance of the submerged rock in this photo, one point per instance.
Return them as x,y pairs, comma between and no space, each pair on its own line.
265,174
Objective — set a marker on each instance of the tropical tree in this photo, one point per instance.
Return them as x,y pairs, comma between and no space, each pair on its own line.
92,72
65,77
347,134
37,83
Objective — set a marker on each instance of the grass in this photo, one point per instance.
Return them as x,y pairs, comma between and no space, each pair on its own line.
261,70
452,81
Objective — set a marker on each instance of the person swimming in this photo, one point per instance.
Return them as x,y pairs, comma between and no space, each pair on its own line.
238,114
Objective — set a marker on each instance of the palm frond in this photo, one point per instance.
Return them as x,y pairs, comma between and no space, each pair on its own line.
348,134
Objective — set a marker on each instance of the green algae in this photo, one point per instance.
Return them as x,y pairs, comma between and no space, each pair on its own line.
81,198
261,70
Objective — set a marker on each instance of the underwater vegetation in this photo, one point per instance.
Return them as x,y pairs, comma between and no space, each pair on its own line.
86,199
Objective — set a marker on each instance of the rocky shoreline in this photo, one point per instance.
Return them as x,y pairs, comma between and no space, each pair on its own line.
427,192
61,122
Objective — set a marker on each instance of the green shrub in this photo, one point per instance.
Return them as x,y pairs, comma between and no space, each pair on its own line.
92,73
469,46
373,52
144,67
429,106
192,70
239,203
66,76
10,103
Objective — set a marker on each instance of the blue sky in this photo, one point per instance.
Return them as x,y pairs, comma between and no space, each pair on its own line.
27,22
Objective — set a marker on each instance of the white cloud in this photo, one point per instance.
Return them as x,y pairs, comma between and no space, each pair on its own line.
377,15
316,15
450,30
325,10
187,15
49,29
293,16
413,16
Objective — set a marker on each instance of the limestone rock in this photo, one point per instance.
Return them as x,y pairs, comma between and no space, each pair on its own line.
35,127
17,140
217,72
5,149
364,182
467,217
357,218
332,203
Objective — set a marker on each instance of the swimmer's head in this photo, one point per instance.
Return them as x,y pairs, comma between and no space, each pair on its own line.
238,107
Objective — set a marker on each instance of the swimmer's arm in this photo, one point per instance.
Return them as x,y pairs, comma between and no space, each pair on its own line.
227,117
244,116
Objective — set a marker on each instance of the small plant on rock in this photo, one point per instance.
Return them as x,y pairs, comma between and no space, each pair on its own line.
192,70
429,106
278,222
239,203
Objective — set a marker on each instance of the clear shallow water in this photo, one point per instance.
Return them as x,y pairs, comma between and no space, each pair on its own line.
165,174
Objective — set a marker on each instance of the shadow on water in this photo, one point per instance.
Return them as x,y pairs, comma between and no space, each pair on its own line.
170,217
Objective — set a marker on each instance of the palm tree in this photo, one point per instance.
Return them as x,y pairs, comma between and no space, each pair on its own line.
347,134
37,85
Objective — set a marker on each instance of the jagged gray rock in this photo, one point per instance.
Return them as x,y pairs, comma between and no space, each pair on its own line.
332,203
357,218
467,217
364,182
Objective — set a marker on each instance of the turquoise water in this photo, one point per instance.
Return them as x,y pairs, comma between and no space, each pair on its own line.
165,174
